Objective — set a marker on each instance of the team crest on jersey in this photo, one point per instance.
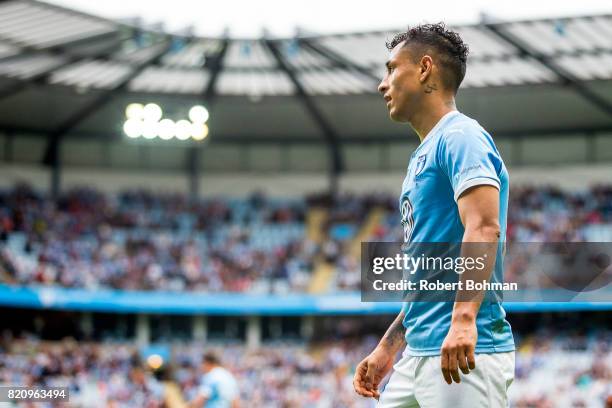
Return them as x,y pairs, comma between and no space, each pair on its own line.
420,165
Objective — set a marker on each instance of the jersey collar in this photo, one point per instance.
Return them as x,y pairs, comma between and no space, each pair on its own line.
437,127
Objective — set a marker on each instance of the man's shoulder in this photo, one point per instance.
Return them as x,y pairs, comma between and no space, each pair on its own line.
223,373
463,130
462,124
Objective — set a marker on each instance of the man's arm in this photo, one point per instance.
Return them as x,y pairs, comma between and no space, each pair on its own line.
376,366
395,336
479,212
198,402
202,396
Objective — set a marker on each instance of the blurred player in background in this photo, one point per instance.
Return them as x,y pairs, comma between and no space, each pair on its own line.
218,388
455,190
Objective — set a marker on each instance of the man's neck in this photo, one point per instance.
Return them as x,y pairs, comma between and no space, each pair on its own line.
429,117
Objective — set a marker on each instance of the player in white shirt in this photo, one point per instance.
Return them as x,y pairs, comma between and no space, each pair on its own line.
218,388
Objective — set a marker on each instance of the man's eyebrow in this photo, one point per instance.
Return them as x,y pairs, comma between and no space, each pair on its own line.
388,64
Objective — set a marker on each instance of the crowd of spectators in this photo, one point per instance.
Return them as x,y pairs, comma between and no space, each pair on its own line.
552,370
143,241
95,375
281,375
563,371
548,214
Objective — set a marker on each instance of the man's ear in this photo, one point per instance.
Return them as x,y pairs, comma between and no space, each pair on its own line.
425,67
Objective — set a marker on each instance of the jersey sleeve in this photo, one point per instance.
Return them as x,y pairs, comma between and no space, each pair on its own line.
469,158
206,388
229,389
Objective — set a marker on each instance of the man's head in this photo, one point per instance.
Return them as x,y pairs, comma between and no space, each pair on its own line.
426,60
209,361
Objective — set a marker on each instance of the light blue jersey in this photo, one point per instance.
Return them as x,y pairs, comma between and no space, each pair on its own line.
219,387
456,154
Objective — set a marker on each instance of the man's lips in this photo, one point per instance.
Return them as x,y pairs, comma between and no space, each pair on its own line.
388,99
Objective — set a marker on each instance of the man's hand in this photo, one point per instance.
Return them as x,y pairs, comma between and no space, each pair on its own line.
458,349
371,371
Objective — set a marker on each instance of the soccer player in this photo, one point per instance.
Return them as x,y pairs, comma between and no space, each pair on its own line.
218,389
455,191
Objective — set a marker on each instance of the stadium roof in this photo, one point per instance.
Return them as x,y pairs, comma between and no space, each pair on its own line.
66,73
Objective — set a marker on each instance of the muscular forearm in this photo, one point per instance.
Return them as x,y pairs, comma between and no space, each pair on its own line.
477,242
372,369
394,339
479,211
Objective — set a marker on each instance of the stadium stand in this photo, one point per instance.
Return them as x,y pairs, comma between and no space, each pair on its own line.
562,365
143,241
123,259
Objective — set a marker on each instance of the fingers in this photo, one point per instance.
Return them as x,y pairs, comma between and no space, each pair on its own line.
463,365
453,359
444,363
452,365
359,381
471,359
360,389
370,379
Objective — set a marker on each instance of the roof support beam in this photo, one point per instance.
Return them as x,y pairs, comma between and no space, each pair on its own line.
84,41
214,63
328,131
567,78
43,77
338,59
52,157
62,49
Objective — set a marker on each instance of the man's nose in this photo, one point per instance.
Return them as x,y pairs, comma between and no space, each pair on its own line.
383,87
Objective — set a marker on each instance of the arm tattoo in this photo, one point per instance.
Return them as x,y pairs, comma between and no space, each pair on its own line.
396,332
430,88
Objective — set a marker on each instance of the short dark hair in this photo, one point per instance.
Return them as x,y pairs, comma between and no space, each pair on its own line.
211,358
447,44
